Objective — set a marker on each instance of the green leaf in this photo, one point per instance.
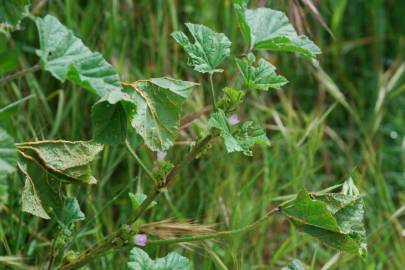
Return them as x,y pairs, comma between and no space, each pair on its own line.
261,77
8,153
139,260
12,11
67,58
71,211
209,49
138,198
71,161
240,140
295,265
159,102
265,28
335,219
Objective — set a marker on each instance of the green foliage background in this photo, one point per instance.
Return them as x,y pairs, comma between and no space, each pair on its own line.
324,127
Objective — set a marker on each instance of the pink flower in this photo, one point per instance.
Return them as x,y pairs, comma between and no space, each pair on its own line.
233,119
140,240
161,155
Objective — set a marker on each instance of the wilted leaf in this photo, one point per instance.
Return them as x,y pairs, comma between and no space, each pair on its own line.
139,260
69,160
159,102
31,203
240,140
71,211
265,28
12,11
41,196
261,77
335,219
209,49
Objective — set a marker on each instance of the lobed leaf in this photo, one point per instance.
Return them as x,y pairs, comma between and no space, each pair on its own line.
139,260
71,161
159,102
261,77
242,139
265,28
71,211
335,219
209,49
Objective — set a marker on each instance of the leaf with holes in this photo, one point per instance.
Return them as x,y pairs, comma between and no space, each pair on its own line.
242,139
209,49
260,77
269,29
159,102
335,219
139,260
70,161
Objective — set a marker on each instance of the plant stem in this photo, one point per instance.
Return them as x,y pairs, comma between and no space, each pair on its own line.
143,166
115,240
213,100
215,235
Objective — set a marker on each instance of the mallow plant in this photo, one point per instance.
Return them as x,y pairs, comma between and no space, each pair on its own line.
152,108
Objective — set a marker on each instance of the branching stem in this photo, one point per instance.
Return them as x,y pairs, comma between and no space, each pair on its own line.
115,240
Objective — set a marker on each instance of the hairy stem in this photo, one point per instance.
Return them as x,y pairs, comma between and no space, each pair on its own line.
115,240
213,100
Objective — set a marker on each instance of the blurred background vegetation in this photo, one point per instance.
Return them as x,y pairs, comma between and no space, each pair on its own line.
344,119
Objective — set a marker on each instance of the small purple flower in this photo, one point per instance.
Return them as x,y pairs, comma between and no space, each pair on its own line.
233,119
161,155
140,240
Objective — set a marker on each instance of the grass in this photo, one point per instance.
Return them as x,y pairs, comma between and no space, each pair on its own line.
325,126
